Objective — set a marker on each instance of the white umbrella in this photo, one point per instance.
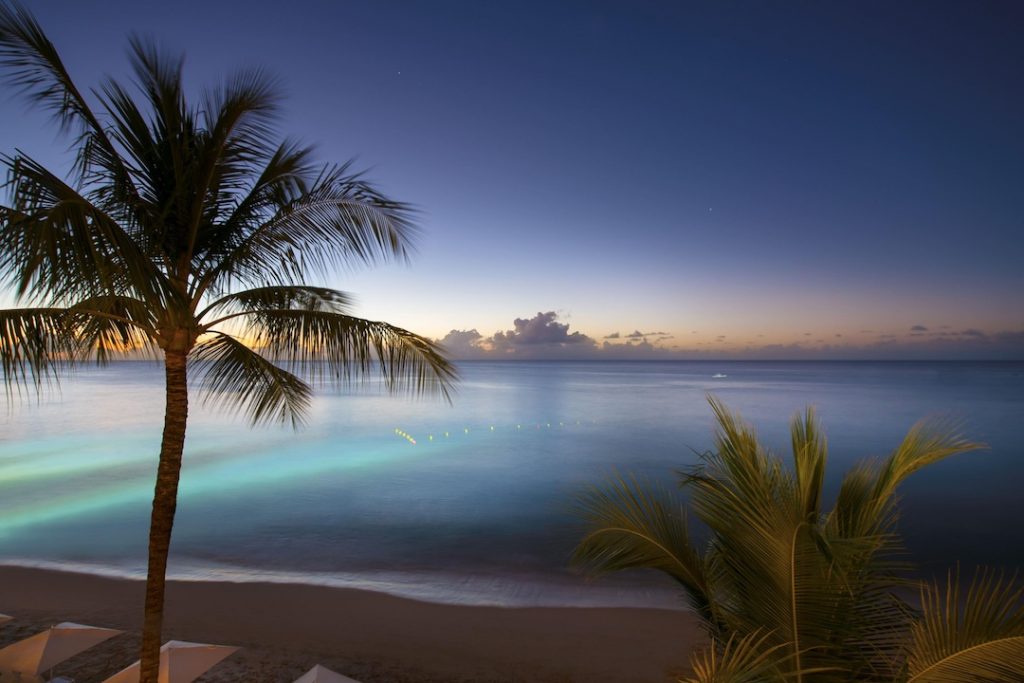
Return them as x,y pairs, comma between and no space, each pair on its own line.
4,618
43,651
180,662
321,674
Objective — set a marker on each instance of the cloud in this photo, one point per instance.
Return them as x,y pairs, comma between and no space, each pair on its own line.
637,334
613,335
918,328
463,344
540,336
973,333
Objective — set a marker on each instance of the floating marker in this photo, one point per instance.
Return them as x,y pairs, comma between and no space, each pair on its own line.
491,428
405,435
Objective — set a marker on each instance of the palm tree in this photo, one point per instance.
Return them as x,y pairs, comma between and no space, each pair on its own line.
790,591
190,232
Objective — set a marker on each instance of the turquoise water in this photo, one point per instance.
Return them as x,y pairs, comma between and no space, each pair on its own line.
477,509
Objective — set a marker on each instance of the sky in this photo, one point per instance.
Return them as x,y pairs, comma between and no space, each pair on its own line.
644,179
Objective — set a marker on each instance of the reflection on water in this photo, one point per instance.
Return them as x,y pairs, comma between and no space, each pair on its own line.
477,510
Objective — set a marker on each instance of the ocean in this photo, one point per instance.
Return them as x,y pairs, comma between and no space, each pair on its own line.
471,502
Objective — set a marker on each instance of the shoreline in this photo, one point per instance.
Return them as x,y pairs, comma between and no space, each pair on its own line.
471,589
284,629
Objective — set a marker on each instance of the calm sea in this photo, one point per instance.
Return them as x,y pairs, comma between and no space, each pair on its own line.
471,502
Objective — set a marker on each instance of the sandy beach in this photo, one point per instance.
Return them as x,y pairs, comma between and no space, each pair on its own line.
285,629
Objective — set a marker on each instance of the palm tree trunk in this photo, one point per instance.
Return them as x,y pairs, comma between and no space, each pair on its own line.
165,499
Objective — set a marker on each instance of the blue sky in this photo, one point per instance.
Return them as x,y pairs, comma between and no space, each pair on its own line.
747,179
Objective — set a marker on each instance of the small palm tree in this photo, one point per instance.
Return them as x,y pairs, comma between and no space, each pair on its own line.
790,591
190,233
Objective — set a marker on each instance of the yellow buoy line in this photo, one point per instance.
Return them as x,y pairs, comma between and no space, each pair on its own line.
405,435
493,428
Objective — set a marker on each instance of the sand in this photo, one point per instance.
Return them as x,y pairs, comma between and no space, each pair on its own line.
372,637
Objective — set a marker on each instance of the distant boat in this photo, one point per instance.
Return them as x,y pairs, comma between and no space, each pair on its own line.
718,375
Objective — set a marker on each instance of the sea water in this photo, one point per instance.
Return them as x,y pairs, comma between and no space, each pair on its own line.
472,502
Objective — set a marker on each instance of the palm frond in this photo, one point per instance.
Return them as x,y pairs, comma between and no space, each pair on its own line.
866,503
776,577
751,476
159,75
638,525
237,138
34,342
239,117
739,492
928,442
34,67
972,638
114,325
339,221
38,345
235,377
751,658
324,343
281,297
57,246
129,129
810,455
280,182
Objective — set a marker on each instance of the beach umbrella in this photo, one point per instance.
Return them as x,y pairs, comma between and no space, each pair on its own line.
43,651
321,674
180,662
4,618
